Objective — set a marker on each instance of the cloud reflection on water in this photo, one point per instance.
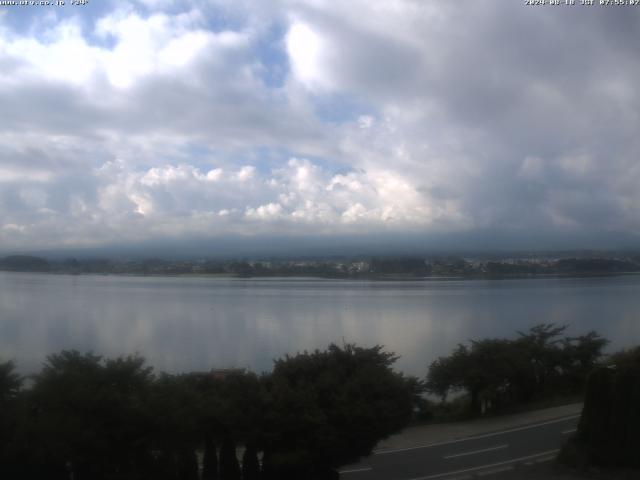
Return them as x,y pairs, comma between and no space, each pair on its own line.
182,324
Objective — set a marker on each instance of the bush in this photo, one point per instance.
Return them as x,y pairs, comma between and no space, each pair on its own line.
609,430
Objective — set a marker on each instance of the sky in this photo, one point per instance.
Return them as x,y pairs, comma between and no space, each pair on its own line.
168,121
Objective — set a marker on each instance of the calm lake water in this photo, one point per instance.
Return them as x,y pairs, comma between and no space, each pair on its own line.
182,324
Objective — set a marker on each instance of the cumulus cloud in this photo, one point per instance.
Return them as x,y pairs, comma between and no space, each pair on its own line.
165,118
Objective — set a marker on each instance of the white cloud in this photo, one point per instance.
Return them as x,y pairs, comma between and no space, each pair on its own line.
247,172
269,211
184,200
317,117
9,174
298,191
306,49
66,57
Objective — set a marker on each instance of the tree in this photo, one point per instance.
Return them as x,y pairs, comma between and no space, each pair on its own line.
210,460
250,464
580,355
487,371
607,433
629,357
329,408
229,466
499,372
10,384
230,411
174,406
237,405
90,415
187,464
541,346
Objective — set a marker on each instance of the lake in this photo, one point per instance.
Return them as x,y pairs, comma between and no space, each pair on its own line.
196,323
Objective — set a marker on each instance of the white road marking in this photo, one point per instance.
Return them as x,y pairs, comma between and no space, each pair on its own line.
545,459
486,435
489,449
481,467
356,470
567,432
493,471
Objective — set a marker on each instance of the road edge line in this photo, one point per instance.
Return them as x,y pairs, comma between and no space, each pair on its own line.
506,462
474,437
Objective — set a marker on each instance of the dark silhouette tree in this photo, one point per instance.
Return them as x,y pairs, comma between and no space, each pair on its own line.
626,358
541,345
580,355
250,464
486,370
607,433
210,460
498,372
229,466
10,383
329,408
90,415
187,464
238,405
174,404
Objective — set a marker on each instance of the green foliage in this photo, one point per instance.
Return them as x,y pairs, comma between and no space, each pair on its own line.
229,466
580,355
94,418
89,414
210,461
608,430
238,403
328,408
626,358
174,405
10,382
499,372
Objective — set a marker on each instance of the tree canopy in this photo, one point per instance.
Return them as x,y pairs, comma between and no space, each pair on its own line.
333,406
607,433
99,418
498,372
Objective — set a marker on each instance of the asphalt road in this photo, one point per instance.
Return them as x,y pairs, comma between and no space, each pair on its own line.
469,457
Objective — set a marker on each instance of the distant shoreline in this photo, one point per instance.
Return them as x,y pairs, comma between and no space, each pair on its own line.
363,278
375,268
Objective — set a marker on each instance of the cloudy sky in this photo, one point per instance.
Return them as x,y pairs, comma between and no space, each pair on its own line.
127,122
